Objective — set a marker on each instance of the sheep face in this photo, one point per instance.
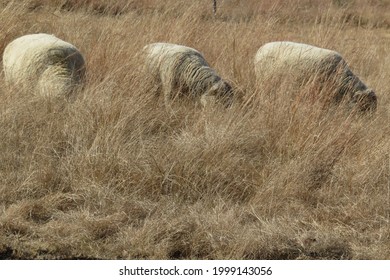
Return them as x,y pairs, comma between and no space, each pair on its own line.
364,100
221,92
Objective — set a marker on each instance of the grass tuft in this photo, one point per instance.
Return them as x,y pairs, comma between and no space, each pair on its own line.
111,174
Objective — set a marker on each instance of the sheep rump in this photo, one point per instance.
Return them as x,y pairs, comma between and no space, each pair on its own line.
44,63
301,63
182,70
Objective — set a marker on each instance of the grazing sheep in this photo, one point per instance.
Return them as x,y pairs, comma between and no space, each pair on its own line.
303,63
183,70
44,63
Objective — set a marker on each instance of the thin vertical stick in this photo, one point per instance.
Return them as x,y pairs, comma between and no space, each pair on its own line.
215,7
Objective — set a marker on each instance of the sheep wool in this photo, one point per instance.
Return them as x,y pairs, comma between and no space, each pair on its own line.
301,63
43,63
180,69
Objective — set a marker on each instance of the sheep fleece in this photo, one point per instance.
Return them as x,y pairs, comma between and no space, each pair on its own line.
179,67
302,62
45,62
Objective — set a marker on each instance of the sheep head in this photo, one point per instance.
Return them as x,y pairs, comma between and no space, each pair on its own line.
364,100
220,92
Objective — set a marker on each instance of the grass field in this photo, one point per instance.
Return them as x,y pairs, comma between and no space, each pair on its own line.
113,175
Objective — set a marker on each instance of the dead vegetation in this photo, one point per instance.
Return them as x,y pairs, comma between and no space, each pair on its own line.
113,175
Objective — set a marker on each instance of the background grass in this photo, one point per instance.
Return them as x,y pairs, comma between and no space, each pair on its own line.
112,175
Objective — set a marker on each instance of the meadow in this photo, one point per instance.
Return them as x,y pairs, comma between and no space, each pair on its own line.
112,175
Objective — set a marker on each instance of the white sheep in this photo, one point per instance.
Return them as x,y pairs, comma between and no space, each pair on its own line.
43,63
182,70
302,63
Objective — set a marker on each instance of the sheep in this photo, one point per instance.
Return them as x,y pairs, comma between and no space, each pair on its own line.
183,70
302,63
43,63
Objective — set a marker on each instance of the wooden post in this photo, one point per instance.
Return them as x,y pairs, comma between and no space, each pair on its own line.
214,7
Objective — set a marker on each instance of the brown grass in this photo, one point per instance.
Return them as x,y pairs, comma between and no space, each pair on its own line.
112,175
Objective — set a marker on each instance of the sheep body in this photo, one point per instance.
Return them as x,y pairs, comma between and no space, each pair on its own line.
301,63
44,63
180,69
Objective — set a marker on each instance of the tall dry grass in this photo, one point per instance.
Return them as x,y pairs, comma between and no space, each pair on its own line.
113,175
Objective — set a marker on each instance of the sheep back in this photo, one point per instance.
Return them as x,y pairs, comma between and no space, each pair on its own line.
301,63
44,62
183,70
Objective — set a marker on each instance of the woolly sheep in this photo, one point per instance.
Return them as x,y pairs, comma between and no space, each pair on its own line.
303,62
180,69
44,63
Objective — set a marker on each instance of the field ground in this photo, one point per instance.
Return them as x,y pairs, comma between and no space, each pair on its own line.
113,175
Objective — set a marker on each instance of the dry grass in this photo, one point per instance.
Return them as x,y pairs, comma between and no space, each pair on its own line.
112,175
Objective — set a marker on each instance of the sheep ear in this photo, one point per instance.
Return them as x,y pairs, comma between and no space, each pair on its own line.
357,96
365,100
206,100
214,88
